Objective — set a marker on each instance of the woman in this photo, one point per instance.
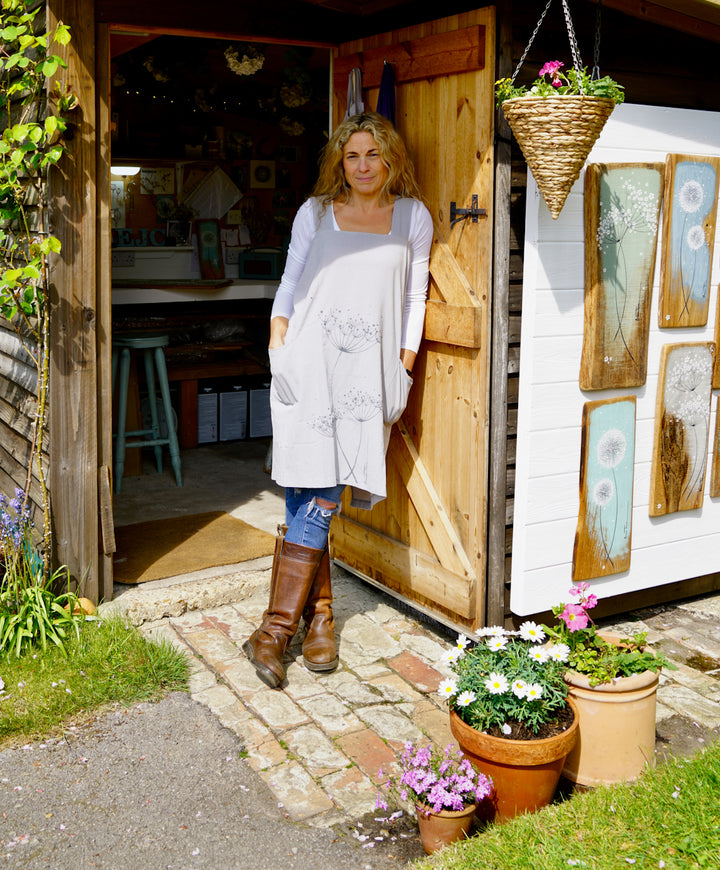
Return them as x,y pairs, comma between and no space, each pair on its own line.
344,332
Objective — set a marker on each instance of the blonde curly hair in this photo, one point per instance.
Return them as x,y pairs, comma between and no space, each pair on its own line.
331,185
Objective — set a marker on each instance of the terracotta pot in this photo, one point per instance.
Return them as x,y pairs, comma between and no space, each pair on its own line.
617,728
525,773
441,829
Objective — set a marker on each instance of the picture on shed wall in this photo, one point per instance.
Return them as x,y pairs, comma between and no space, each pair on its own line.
716,369
622,211
211,261
715,476
607,460
682,420
689,216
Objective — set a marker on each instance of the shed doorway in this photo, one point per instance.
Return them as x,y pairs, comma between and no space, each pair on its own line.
427,542
225,137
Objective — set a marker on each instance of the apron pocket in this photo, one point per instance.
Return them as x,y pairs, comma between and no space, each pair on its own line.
282,384
397,390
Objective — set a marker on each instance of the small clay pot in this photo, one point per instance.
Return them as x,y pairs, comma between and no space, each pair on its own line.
441,829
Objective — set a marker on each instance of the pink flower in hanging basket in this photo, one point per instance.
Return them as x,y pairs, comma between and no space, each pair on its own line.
552,68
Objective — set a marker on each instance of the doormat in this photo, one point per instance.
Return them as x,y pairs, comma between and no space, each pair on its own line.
165,548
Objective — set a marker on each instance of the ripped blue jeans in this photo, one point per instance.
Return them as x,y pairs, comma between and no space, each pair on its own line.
308,523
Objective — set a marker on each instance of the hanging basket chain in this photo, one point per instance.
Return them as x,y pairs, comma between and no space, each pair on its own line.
532,39
577,63
596,55
571,37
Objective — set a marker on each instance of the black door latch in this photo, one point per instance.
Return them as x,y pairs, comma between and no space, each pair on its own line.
461,214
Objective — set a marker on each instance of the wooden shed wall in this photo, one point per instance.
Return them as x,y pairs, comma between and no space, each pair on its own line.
18,395
681,75
18,403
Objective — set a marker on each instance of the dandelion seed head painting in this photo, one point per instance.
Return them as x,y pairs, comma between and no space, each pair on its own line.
690,202
604,531
682,423
622,211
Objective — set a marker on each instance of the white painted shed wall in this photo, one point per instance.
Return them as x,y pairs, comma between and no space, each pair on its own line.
664,549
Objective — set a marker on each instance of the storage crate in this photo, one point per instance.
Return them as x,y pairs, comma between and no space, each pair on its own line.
233,411
260,424
163,263
207,412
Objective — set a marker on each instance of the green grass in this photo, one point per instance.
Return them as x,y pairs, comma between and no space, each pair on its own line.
110,662
670,818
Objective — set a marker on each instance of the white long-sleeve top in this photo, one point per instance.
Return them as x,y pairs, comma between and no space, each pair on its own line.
421,236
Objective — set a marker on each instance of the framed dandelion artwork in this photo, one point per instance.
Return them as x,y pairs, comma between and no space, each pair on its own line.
607,459
622,210
689,217
715,476
682,420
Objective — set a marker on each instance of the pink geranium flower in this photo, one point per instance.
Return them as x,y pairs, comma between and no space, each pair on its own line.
552,68
574,617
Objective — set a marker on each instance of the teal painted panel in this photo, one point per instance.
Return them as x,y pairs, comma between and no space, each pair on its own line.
603,538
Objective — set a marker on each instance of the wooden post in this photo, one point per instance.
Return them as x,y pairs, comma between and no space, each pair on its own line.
104,313
73,375
495,612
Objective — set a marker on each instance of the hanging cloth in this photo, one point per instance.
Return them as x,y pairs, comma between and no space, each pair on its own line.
355,105
386,97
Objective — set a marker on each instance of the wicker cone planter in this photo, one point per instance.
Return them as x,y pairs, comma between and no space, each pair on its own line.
555,135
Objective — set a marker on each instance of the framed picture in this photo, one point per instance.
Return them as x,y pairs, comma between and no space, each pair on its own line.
288,153
682,422
262,173
209,249
689,216
607,461
622,211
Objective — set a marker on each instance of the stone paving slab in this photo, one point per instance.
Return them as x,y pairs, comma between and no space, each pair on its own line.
320,742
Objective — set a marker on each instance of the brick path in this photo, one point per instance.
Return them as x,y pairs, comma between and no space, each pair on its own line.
319,742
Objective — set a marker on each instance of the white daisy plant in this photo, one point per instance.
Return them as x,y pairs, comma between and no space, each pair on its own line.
509,683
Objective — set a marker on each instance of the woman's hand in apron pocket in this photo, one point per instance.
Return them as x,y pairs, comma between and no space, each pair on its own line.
397,390
281,369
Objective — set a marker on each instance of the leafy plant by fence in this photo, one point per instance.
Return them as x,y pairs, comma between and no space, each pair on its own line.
33,122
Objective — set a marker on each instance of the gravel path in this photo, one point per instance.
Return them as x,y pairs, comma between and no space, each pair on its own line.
155,786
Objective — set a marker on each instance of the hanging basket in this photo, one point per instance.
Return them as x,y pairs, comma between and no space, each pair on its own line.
555,135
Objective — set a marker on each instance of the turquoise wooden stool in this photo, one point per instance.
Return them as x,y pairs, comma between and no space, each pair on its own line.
154,358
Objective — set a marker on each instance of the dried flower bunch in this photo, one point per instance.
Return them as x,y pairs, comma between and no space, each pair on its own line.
440,779
251,62
510,683
589,653
551,82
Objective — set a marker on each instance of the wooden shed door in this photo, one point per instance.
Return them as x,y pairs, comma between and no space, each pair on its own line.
426,541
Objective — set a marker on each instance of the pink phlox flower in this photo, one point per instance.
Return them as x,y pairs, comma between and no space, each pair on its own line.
574,617
445,764
422,758
552,68
380,803
440,797
456,801
403,795
463,784
465,766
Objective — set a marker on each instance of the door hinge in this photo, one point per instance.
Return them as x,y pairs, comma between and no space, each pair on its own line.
461,214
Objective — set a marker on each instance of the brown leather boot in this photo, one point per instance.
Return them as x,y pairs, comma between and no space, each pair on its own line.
293,572
319,650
